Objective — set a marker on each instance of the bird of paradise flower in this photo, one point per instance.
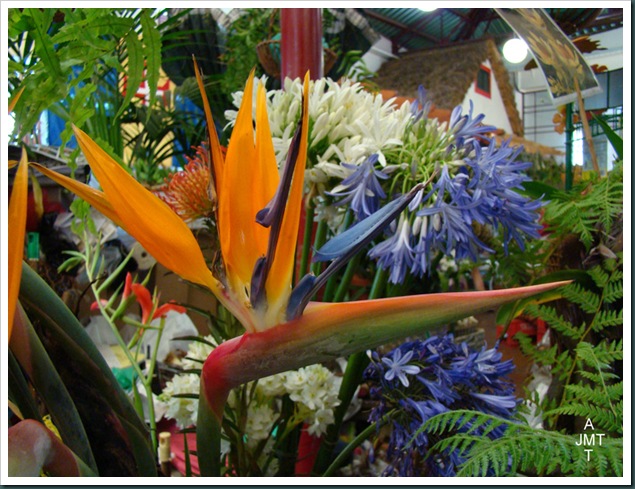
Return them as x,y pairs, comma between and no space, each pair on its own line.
257,216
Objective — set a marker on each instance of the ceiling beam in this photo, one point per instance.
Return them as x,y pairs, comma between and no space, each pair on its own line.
475,17
403,27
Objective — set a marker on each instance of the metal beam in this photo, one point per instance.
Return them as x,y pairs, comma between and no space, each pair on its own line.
399,25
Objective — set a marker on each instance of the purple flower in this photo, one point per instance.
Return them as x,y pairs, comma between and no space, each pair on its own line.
421,106
395,253
466,129
398,367
361,189
451,376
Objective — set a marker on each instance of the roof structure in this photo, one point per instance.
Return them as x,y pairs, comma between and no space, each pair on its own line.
447,73
413,29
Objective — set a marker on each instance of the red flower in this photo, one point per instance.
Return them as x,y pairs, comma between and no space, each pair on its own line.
144,299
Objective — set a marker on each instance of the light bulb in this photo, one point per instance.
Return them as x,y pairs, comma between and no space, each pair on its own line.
515,50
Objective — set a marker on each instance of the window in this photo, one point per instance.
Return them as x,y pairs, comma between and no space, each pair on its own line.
483,83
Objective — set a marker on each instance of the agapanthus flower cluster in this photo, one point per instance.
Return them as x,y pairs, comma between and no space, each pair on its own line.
364,151
471,182
313,389
423,378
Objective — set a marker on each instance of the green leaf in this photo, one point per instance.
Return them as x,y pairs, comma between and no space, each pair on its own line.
152,52
536,190
42,301
135,69
616,141
20,392
44,47
30,353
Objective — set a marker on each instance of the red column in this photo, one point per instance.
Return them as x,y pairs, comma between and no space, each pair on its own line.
301,43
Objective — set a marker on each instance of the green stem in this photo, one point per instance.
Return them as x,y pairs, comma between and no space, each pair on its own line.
306,240
320,238
333,293
353,375
346,280
357,441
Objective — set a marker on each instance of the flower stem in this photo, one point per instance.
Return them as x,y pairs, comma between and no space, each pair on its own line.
333,293
357,441
306,240
352,378
320,238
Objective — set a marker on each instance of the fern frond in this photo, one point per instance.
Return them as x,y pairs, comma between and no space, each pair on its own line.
554,320
593,394
602,417
613,292
606,319
599,276
588,301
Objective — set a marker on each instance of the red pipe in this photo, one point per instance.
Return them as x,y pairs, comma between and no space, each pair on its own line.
301,43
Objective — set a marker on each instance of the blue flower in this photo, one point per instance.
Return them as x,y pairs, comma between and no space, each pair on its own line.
395,253
398,367
421,106
361,189
467,129
451,376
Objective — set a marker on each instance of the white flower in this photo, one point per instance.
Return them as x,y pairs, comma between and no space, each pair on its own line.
260,418
272,386
182,410
467,322
198,352
320,421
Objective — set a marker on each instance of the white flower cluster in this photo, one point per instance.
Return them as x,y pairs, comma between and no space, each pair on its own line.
347,124
314,390
184,410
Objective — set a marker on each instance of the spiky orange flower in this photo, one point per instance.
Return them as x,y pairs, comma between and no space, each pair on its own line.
189,191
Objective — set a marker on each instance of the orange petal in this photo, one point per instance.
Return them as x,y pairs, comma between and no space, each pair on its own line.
242,240
91,195
267,175
144,299
15,99
147,218
163,310
218,160
280,275
17,226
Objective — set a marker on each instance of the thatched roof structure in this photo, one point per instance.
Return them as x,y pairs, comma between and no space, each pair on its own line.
447,73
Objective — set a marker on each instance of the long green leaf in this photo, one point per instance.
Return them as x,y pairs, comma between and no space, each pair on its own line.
30,353
152,52
208,437
511,310
135,69
43,44
38,296
19,391
616,141
62,324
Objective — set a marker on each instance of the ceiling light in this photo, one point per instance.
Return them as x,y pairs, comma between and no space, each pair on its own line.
427,9
515,50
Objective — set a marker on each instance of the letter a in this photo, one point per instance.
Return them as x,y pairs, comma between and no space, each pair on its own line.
587,424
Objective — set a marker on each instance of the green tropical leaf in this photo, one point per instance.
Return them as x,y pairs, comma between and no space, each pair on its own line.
152,52
34,359
616,141
135,69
